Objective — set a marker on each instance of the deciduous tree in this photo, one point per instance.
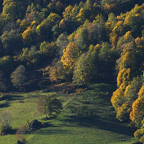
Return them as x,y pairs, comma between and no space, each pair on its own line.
49,105
18,77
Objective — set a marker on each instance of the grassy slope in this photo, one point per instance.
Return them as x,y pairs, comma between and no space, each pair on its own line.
67,128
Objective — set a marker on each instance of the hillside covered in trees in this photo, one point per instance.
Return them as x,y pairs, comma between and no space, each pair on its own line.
78,42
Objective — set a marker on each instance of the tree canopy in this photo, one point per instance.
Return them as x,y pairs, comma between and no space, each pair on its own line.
75,41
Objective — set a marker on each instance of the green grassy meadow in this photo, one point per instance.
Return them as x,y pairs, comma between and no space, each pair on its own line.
87,118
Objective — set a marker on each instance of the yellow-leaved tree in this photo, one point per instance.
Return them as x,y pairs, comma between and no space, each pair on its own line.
117,98
123,77
137,113
130,95
123,80
70,55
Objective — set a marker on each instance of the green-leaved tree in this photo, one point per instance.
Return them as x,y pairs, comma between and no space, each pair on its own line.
49,106
18,77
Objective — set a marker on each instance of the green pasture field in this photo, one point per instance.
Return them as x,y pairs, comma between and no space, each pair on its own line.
87,118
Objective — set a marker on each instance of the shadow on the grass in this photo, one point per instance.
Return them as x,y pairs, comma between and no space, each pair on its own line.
11,97
73,121
4,105
11,131
100,124
52,131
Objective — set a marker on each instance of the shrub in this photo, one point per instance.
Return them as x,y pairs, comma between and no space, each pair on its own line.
5,120
34,125
20,135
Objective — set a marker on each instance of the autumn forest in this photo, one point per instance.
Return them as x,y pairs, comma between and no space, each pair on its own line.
78,43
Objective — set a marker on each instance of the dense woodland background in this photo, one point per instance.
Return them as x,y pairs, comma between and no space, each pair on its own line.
45,42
